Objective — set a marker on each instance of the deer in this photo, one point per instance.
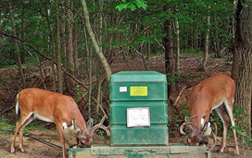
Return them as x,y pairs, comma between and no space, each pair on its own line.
35,103
214,93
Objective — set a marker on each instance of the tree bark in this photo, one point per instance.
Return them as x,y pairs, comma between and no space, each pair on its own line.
206,44
58,49
216,41
17,48
242,65
98,50
169,60
69,48
50,44
177,48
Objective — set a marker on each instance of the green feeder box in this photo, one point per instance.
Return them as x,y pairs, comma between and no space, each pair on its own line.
138,109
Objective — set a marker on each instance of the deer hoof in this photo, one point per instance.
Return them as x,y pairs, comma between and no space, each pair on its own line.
220,151
22,151
12,150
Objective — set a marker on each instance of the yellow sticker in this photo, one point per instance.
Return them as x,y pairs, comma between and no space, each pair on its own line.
138,91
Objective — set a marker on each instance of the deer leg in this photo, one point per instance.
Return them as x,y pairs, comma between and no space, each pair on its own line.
231,116
19,124
224,118
15,135
29,120
62,138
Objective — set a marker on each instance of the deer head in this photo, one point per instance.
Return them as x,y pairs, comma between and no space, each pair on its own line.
84,137
198,137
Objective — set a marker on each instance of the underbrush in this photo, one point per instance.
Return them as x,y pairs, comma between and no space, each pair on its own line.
7,127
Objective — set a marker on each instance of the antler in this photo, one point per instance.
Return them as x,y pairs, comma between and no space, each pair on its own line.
213,136
100,125
187,122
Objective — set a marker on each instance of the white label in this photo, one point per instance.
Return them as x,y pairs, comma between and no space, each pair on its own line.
123,89
138,117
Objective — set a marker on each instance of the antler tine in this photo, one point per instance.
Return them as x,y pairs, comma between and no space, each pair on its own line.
213,136
190,118
181,129
187,122
215,128
100,125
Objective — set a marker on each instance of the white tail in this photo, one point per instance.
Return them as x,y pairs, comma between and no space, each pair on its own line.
17,106
216,92
51,107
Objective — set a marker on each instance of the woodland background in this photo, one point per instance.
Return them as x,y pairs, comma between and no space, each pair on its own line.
70,47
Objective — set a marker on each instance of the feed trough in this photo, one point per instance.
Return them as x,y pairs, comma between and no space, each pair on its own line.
138,120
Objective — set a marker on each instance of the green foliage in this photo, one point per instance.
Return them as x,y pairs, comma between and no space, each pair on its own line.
239,115
34,125
5,125
131,4
8,127
7,56
99,131
191,52
172,79
184,110
79,92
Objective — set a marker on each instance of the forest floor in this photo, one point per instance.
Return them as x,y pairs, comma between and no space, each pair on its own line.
190,68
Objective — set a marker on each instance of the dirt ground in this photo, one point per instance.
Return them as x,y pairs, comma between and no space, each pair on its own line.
189,67
36,149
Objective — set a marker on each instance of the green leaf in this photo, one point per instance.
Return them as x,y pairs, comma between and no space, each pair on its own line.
131,6
141,4
122,6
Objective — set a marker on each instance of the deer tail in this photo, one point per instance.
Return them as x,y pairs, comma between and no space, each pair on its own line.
17,105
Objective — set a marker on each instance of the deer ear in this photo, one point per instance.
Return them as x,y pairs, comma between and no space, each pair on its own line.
90,123
76,127
207,129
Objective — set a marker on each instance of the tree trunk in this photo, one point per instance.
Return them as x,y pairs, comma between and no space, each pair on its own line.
50,44
206,44
242,65
1,37
69,49
17,48
98,50
177,48
216,41
75,49
169,61
22,53
58,48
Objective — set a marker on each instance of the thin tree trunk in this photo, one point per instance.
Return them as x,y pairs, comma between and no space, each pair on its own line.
1,37
17,48
206,44
22,53
75,50
169,68
58,48
69,48
216,41
98,50
178,48
89,65
50,45
148,51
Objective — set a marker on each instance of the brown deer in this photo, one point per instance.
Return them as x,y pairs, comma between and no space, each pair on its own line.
216,92
34,103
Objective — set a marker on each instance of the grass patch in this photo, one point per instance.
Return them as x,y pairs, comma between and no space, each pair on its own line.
191,52
7,127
